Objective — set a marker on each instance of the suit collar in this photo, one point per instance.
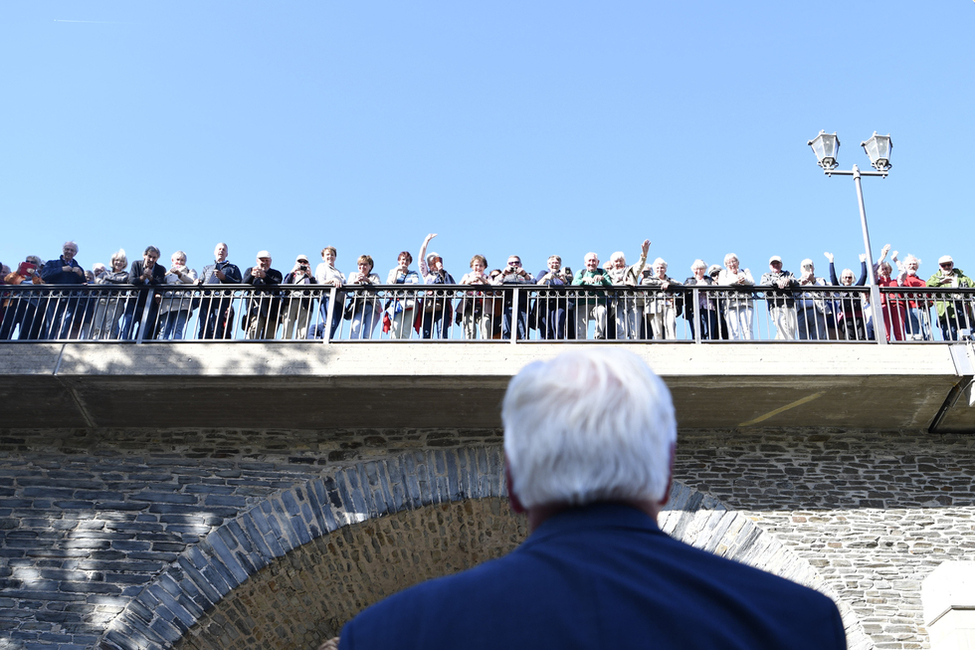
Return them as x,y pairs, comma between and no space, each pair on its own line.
596,515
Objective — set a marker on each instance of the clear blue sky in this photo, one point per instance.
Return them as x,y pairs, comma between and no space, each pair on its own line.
506,127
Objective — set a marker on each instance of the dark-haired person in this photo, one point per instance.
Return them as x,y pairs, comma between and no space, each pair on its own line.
402,304
365,306
144,309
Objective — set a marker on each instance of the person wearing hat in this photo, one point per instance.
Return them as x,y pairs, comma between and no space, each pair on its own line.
298,311
781,302
953,315
265,304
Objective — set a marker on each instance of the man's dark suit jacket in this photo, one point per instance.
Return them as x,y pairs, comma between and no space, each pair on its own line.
602,576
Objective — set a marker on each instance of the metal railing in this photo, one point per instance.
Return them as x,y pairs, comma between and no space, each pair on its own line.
489,313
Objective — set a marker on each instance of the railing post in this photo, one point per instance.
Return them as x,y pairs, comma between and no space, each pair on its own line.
696,323
515,317
327,333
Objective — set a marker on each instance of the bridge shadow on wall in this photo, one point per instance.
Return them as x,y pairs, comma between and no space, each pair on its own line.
291,571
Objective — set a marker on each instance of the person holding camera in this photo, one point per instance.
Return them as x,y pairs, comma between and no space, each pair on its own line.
552,307
515,273
265,303
402,304
174,311
216,310
298,313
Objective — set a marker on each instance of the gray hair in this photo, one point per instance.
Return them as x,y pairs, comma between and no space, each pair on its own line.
119,255
730,256
587,426
699,264
152,249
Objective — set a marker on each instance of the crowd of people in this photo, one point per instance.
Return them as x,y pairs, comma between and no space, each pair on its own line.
281,305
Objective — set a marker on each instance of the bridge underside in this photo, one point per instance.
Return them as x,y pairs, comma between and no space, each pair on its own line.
309,385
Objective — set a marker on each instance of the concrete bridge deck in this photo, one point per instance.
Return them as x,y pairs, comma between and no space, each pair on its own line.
306,385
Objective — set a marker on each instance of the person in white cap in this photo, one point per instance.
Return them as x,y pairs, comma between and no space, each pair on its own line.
953,315
782,302
265,305
298,311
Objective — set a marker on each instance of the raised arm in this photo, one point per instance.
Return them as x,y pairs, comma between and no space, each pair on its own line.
424,269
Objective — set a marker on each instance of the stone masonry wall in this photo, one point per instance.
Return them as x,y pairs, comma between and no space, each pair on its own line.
89,520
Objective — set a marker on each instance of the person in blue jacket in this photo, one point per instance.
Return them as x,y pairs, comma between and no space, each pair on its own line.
589,441
62,308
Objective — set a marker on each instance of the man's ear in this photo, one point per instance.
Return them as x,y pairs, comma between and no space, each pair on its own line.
516,505
670,475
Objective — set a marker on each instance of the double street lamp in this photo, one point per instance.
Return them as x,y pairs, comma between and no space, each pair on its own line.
826,146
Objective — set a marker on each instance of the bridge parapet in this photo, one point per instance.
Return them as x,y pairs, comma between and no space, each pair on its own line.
304,385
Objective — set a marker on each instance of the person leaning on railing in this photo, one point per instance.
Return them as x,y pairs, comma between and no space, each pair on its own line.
216,306
327,274
470,310
918,317
61,309
514,274
626,306
21,307
364,310
738,305
811,306
401,305
953,315
111,305
175,306
552,309
781,302
892,305
144,273
591,305
264,306
703,314
298,312
664,305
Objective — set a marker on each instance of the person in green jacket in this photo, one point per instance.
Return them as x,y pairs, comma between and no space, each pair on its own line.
589,307
953,315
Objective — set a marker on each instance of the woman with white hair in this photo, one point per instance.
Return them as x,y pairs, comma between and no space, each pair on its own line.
663,306
111,304
703,314
918,315
738,304
176,306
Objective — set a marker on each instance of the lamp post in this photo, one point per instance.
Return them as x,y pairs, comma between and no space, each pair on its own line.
826,146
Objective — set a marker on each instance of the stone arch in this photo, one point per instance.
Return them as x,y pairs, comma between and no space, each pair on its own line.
355,524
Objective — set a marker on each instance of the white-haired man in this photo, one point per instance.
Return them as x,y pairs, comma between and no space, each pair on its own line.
589,439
